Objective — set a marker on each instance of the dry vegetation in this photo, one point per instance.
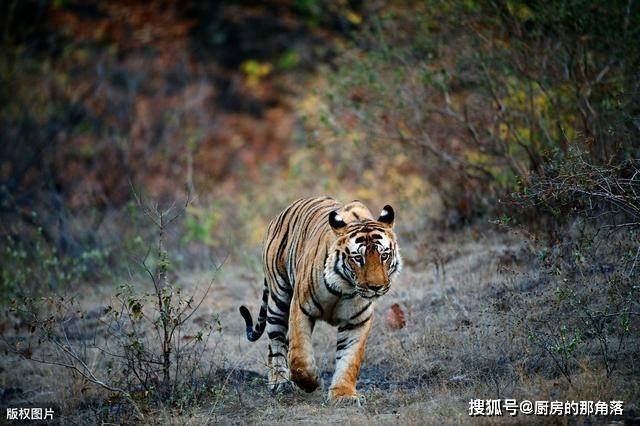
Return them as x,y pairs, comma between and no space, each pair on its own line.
465,309
146,147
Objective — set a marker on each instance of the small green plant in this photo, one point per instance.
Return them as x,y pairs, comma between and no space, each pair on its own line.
594,307
148,349
201,225
36,268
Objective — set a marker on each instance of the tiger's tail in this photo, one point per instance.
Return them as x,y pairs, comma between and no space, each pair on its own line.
254,334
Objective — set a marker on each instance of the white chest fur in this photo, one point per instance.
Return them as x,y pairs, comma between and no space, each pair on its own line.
352,310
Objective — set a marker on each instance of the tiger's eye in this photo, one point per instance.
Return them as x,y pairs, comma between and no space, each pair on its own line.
358,258
384,256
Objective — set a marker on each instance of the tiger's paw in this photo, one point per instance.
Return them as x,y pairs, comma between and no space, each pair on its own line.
279,382
307,381
281,388
342,397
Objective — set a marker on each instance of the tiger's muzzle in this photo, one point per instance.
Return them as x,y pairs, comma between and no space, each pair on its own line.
372,291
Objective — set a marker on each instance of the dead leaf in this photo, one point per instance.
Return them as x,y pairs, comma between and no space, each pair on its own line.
395,317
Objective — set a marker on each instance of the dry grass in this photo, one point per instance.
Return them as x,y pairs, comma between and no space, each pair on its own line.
457,345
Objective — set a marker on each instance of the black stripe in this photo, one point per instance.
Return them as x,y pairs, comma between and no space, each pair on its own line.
281,218
274,232
345,345
368,227
350,326
277,321
361,311
331,290
272,312
368,297
304,311
338,271
277,335
317,250
286,290
263,313
283,306
294,216
315,301
300,211
346,270
279,252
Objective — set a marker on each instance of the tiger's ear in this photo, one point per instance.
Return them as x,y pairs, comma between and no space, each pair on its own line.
387,215
337,223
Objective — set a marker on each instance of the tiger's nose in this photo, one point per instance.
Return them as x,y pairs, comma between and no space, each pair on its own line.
375,287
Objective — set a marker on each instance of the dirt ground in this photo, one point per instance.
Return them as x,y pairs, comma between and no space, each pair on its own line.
455,347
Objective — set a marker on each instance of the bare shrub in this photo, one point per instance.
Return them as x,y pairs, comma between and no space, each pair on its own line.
485,95
601,192
583,309
143,346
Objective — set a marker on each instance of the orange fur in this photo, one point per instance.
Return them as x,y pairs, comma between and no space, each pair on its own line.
323,261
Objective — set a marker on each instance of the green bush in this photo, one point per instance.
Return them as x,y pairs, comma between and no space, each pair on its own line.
486,94
33,268
583,309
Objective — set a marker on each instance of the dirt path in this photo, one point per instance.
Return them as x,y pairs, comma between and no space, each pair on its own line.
419,372
449,351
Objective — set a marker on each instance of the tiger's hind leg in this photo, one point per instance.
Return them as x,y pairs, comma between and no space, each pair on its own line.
277,330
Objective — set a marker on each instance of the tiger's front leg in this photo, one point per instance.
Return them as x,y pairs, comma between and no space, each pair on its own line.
352,338
302,366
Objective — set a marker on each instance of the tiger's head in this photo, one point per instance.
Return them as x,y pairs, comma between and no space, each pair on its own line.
365,254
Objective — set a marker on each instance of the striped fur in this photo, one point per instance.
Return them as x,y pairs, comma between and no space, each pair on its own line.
322,261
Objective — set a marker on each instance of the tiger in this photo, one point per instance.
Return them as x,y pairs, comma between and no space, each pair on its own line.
323,261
